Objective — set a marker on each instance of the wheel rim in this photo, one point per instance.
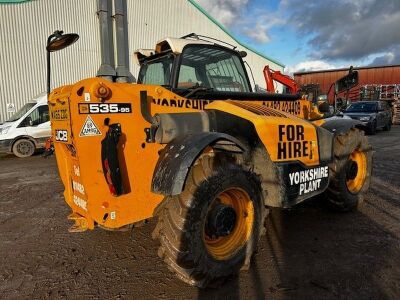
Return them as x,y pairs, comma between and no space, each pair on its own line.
24,148
226,240
356,172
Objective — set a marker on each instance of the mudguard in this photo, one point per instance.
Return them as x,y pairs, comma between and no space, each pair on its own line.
175,160
339,125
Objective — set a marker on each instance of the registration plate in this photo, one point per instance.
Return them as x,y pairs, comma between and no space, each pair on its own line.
59,114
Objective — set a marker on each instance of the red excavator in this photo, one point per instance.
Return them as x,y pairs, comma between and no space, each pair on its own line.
311,92
271,76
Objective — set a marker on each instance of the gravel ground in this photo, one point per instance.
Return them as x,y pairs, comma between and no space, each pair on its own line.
308,252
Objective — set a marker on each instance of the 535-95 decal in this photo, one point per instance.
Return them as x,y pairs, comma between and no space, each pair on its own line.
105,108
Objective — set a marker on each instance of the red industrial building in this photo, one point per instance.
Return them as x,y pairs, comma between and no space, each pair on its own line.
384,78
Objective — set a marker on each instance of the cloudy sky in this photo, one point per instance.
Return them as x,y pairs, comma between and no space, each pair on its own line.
315,34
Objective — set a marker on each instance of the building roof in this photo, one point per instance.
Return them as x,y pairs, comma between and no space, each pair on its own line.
195,4
345,69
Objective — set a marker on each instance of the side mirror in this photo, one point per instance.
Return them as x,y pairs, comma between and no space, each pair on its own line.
347,82
28,121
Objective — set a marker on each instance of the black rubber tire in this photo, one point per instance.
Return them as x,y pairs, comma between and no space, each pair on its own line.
372,130
388,126
338,195
23,148
181,222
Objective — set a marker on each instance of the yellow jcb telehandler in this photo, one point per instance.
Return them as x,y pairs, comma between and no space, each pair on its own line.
192,145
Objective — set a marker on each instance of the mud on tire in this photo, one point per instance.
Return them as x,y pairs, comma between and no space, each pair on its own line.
23,148
183,222
350,171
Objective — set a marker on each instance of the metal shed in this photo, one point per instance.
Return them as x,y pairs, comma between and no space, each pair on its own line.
381,75
25,26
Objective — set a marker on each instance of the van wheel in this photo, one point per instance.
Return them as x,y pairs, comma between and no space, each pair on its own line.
350,172
210,231
23,148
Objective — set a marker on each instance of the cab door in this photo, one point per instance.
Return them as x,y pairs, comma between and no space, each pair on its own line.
37,123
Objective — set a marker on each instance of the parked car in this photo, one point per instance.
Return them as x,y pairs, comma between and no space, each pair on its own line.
26,130
373,114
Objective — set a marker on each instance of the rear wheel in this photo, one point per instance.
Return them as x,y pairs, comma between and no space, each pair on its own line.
350,172
23,148
211,230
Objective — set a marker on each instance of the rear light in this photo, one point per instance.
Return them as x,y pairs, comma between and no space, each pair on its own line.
109,159
107,174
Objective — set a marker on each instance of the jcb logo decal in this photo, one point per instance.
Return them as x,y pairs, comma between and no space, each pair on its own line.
61,135
291,142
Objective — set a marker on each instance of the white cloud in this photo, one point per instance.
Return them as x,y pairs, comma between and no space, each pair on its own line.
258,33
225,11
346,29
389,58
254,22
309,65
259,30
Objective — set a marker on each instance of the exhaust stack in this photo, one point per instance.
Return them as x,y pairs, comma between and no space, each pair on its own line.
107,67
121,35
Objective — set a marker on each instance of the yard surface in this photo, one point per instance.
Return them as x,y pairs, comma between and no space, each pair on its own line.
308,252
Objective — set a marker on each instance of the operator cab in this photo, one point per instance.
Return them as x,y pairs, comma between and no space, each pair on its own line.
188,66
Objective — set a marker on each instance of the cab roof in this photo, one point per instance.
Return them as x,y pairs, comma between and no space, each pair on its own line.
175,45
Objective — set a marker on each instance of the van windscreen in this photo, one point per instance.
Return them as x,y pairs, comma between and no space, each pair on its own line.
22,111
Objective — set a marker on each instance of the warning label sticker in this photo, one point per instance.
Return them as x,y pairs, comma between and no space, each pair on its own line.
89,128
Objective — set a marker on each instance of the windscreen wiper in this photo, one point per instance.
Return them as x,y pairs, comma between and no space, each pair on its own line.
198,89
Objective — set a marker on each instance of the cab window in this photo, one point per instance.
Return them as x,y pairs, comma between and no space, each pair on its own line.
212,67
188,77
38,116
157,71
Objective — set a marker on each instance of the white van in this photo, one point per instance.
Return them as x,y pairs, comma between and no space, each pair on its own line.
26,130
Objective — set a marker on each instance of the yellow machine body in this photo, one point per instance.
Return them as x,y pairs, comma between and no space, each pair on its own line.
79,130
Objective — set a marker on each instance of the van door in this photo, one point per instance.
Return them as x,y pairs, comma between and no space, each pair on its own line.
37,124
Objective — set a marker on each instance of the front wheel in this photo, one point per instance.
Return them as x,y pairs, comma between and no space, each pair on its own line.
350,171
23,148
211,230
